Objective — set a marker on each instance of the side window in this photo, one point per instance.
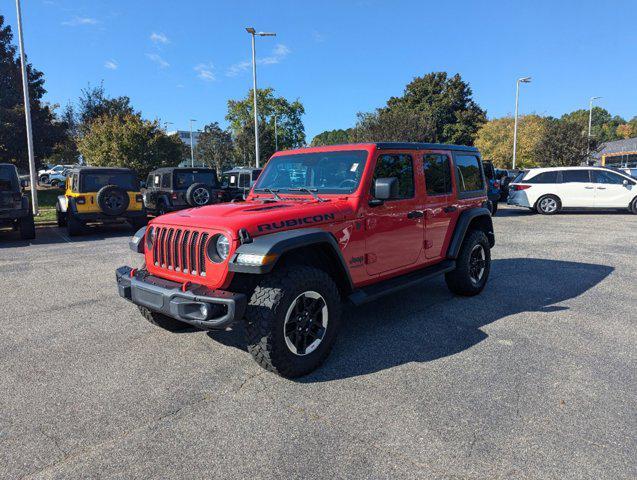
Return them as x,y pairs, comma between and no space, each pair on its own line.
400,166
149,181
469,177
544,177
437,174
575,176
600,176
165,180
75,183
255,175
244,180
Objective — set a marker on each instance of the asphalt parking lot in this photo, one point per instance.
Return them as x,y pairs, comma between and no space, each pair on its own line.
535,378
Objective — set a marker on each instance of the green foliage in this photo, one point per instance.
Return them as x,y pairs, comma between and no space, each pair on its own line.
396,124
47,131
129,141
94,103
291,133
603,124
564,144
215,147
332,137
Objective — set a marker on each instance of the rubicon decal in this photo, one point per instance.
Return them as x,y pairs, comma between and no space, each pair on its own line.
295,222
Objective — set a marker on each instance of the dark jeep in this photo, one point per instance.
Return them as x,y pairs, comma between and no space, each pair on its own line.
238,182
170,189
15,208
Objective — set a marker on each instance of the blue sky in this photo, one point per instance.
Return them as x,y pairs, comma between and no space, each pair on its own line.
181,60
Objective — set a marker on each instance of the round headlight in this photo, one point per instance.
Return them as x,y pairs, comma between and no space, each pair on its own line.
222,247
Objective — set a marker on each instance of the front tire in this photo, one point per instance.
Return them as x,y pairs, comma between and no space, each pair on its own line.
73,226
162,321
27,227
292,320
472,265
548,205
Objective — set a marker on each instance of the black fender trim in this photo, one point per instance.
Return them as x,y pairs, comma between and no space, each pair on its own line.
282,242
63,203
462,225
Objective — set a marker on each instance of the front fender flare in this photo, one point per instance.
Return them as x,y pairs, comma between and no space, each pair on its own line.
277,244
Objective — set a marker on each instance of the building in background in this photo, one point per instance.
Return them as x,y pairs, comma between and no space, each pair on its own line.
184,136
619,154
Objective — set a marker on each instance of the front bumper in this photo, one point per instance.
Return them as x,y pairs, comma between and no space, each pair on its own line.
196,304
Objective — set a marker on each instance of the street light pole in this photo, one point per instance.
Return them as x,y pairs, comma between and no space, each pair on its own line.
590,124
192,146
515,121
276,136
254,34
27,114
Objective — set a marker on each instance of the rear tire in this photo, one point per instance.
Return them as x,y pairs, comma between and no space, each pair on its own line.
494,208
292,320
633,206
163,321
472,265
60,217
548,205
27,227
73,226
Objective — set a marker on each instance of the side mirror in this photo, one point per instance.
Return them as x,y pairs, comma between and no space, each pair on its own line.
625,183
24,183
385,188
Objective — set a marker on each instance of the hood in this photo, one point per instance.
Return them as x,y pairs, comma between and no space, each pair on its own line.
259,217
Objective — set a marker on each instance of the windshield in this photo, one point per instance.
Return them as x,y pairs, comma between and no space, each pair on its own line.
520,176
185,179
92,182
325,172
8,178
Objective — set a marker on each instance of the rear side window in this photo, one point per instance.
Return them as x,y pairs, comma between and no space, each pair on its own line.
600,176
244,180
255,175
165,180
437,174
400,166
544,177
575,176
469,176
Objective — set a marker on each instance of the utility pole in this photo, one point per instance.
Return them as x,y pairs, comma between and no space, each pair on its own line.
192,146
515,121
27,114
590,124
276,136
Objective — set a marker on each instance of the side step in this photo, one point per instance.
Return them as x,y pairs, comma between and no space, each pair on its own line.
377,290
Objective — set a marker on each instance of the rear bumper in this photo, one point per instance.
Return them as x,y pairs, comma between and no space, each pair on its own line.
102,217
13,214
197,305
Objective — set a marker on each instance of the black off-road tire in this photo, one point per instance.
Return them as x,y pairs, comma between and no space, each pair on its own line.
494,208
73,226
265,318
104,200
163,321
195,192
60,217
27,227
633,206
459,280
544,211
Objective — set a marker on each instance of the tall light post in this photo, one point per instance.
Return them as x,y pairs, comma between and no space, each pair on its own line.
192,146
254,34
276,136
590,124
515,122
27,114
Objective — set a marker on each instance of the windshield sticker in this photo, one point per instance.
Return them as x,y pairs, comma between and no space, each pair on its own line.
354,167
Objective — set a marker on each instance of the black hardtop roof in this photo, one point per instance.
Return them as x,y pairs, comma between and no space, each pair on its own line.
7,165
181,169
103,170
242,169
423,146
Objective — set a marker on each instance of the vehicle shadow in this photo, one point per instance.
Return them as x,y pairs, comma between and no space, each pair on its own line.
53,235
427,323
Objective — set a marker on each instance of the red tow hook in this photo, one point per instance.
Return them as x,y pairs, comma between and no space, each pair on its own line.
184,286
133,271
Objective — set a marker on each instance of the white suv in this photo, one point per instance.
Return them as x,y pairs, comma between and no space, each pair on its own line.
548,190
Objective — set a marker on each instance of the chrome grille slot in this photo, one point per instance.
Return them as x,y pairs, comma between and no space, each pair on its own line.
193,253
202,254
176,249
180,250
184,252
169,249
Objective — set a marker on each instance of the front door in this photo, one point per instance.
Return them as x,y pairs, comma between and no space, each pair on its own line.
576,189
610,191
395,229
439,211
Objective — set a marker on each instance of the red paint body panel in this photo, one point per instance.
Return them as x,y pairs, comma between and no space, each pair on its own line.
376,242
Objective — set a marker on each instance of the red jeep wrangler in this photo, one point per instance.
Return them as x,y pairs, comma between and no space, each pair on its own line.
320,226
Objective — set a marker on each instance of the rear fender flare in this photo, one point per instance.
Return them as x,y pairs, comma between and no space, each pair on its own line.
483,216
63,203
283,242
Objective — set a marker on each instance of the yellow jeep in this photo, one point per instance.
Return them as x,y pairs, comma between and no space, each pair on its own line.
100,194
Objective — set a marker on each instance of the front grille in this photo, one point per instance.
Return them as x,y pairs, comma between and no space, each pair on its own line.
180,250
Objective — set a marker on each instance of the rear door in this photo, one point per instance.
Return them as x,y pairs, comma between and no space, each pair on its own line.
610,191
576,189
439,201
395,229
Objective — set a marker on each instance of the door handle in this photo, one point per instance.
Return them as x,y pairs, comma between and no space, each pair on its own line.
415,214
601,188
450,209
589,188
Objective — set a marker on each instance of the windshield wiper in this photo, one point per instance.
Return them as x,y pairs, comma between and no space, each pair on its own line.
269,190
311,191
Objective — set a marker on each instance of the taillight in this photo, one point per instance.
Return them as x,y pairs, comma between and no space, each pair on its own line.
517,188
174,196
496,184
80,200
139,198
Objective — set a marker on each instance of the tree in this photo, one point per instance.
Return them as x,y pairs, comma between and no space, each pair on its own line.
603,124
393,125
332,137
291,133
215,147
625,130
94,103
129,141
564,144
47,131
445,103
495,141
